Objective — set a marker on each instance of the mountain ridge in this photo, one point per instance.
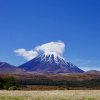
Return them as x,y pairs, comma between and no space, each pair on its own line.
7,68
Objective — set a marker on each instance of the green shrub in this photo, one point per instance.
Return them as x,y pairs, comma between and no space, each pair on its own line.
12,88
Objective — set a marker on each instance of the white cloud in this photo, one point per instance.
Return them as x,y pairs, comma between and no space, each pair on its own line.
28,55
56,48
52,48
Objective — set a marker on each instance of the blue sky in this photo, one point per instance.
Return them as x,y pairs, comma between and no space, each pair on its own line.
28,23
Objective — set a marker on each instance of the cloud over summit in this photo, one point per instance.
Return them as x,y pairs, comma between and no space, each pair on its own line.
56,48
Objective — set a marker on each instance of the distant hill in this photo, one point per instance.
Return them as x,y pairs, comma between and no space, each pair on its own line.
6,68
93,72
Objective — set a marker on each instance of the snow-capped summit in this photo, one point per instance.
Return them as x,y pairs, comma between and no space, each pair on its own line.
50,57
50,63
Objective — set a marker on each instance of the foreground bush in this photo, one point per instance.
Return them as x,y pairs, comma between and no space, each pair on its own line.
12,88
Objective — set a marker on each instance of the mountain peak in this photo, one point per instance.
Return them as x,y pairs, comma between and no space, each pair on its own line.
50,63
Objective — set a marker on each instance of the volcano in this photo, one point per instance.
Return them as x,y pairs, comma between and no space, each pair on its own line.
50,63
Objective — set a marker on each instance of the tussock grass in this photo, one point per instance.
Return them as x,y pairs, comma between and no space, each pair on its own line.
51,95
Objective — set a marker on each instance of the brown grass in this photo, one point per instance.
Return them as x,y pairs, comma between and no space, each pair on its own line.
51,95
